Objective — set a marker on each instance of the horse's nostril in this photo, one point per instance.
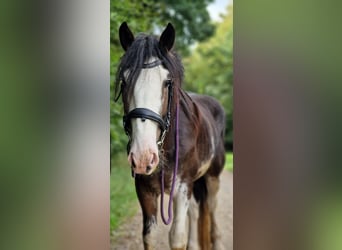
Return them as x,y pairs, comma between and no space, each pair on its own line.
133,163
148,168
154,160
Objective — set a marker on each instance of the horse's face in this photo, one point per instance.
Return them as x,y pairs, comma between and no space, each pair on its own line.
150,92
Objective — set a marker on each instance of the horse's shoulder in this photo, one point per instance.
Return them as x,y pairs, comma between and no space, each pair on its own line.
207,104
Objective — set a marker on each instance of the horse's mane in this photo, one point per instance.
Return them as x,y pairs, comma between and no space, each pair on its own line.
143,48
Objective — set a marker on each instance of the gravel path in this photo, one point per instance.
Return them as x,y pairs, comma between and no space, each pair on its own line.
129,237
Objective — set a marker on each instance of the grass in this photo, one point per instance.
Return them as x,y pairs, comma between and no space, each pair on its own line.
123,200
229,161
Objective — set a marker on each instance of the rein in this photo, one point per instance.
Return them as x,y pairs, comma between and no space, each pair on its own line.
164,124
167,222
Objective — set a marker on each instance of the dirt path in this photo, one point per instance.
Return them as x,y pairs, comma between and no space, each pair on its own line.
128,236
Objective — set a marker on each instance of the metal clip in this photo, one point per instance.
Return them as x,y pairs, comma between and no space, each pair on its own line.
162,138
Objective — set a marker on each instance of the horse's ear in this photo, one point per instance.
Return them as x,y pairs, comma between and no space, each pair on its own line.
167,38
126,36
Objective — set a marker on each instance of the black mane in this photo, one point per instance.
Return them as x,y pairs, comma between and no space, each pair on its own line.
143,48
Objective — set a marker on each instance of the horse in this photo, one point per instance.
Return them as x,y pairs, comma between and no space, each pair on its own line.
175,141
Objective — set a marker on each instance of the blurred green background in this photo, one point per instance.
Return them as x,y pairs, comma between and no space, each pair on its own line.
205,46
54,129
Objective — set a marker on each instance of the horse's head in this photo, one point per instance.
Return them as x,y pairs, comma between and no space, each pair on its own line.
146,91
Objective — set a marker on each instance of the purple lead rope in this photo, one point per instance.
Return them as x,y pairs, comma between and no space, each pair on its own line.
167,222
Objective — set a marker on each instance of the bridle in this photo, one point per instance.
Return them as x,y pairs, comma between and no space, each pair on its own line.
144,113
164,124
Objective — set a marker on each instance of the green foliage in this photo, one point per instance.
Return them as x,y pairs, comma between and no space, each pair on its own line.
209,70
190,19
229,162
123,200
325,219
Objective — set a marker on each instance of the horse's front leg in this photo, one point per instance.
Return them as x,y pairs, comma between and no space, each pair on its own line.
178,234
148,203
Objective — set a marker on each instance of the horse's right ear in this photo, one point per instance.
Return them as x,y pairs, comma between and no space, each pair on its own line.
167,38
126,36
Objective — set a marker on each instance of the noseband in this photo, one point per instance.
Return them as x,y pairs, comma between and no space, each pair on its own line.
144,113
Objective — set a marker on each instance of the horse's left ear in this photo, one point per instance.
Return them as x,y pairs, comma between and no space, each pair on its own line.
167,38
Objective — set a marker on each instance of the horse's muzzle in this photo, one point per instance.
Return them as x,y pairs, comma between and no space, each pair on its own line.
143,163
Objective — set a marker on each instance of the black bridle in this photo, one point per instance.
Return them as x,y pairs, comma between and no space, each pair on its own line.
144,113
164,124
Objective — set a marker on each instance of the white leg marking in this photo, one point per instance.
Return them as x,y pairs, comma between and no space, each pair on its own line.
150,238
213,185
193,213
178,235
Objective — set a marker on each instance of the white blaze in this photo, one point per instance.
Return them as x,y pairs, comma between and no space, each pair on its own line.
148,93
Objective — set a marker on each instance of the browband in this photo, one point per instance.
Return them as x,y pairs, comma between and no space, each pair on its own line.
152,64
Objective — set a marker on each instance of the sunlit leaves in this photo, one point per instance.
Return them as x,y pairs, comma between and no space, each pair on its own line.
209,70
190,19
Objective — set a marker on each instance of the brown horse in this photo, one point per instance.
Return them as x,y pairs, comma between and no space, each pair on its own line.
175,143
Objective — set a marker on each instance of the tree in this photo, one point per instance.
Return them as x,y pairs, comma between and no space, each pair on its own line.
209,70
190,19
